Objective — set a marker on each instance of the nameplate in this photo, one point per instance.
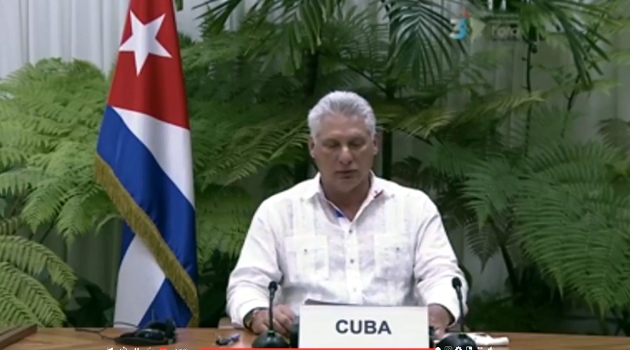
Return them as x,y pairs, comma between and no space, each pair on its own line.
367,327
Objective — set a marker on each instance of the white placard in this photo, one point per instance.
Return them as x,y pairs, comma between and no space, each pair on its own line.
325,326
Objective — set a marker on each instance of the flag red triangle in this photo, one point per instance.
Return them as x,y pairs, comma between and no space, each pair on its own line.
158,89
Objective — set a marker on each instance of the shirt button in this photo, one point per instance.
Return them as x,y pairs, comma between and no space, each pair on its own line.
350,231
352,261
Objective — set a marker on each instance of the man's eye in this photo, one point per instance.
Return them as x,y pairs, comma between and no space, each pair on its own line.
356,144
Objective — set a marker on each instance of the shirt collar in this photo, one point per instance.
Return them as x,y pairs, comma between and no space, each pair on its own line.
314,187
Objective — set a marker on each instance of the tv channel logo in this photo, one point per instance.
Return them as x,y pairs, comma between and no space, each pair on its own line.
460,31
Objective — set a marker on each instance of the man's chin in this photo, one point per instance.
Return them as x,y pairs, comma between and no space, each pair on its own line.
347,185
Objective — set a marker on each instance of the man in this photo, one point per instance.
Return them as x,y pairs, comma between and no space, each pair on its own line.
345,236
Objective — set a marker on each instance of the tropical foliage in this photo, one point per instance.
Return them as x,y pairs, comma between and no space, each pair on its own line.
50,114
24,299
523,187
47,115
505,167
248,67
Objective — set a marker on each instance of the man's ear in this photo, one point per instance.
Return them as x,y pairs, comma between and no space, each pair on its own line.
376,141
311,146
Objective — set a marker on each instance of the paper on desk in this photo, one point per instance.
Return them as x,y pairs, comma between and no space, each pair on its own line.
319,302
482,339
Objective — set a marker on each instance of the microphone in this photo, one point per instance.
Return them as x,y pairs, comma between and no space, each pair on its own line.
457,285
461,339
271,339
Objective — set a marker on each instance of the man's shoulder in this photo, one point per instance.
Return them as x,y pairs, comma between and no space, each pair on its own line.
405,193
291,194
412,197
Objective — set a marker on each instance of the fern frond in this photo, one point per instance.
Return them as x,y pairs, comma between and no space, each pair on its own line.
498,104
424,123
10,156
44,307
450,160
226,151
19,181
581,240
566,163
35,259
574,225
223,219
85,209
557,199
50,113
43,203
278,178
620,57
543,124
490,187
102,221
578,22
616,134
482,241
10,225
409,172
23,297
14,312
601,85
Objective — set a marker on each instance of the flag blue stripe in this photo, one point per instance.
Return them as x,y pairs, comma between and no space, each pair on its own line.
127,237
167,304
174,216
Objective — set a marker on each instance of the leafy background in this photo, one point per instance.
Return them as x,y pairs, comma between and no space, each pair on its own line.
506,166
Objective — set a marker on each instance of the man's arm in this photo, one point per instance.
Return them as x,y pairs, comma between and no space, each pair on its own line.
256,267
436,263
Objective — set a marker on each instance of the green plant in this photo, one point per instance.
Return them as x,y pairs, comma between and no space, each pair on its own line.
46,111
584,29
339,44
254,67
250,123
50,115
238,130
524,188
24,298
398,47
248,68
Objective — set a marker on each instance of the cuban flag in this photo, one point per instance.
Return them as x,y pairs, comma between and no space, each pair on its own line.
144,163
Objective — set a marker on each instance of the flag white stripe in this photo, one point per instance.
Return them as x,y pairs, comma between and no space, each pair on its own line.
139,281
168,143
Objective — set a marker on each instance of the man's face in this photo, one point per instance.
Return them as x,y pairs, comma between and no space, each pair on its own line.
343,151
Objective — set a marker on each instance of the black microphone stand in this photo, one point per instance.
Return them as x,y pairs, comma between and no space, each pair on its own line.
271,339
461,339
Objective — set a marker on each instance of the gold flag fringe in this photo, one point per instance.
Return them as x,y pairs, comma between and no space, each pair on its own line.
144,227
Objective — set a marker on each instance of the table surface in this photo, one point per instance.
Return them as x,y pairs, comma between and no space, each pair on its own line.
195,338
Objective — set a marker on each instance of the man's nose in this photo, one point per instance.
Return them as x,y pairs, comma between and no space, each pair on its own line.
345,157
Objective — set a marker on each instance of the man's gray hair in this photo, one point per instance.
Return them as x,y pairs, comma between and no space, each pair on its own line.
345,103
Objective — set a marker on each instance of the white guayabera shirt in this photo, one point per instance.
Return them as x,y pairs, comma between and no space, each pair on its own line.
394,253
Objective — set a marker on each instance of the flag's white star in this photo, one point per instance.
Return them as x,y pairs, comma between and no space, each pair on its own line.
143,41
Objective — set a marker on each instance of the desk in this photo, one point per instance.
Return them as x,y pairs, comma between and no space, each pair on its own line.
195,338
